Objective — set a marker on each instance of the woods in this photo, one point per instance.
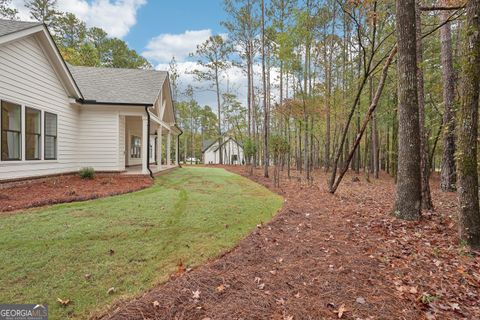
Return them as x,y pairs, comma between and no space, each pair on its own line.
366,86
375,87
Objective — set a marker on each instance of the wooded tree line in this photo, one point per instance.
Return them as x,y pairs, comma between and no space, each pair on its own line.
78,44
359,85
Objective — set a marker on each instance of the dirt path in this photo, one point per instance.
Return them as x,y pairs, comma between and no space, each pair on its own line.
329,257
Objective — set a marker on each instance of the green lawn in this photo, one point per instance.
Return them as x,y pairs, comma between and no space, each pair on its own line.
46,253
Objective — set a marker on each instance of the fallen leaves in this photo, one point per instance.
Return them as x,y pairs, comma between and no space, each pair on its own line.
111,290
340,311
63,302
222,287
196,294
349,250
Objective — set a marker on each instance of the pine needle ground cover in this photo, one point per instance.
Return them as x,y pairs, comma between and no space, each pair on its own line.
93,253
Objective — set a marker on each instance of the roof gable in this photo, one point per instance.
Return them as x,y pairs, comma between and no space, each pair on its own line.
15,30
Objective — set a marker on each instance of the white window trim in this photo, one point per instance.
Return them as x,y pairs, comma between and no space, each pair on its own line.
23,160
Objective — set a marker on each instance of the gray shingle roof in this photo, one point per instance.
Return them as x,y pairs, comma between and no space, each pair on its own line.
114,85
207,144
11,26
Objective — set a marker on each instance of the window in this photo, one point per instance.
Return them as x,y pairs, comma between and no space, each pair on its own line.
33,133
135,147
11,131
50,136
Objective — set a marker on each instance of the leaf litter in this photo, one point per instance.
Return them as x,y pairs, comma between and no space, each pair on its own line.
329,256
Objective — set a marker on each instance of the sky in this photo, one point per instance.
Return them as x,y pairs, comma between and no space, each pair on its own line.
159,29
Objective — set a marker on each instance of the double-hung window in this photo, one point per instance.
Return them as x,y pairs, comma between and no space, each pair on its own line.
33,133
50,136
11,131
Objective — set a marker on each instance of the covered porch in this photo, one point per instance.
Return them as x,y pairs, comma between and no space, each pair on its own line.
148,137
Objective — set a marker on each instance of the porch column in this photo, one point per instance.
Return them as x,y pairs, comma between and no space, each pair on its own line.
145,144
176,150
159,148
169,142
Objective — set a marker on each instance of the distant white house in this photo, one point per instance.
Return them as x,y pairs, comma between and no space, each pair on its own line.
231,149
56,118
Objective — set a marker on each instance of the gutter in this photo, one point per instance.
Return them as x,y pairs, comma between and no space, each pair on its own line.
148,140
95,102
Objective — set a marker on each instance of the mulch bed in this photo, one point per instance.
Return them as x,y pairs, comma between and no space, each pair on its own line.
327,257
68,188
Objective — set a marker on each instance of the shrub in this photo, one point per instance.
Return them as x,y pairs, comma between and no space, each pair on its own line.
87,173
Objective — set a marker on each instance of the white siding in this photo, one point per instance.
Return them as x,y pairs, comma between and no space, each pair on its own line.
27,78
210,156
97,141
122,150
229,149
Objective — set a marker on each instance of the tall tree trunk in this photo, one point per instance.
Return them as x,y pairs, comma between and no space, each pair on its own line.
249,94
408,193
468,207
424,160
448,172
220,140
375,152
265,106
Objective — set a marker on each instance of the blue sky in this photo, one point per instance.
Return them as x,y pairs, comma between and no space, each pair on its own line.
174,17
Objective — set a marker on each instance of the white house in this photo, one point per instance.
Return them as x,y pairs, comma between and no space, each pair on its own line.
231,149
56,118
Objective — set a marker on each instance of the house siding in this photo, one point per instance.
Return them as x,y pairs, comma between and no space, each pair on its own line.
27,78
97,141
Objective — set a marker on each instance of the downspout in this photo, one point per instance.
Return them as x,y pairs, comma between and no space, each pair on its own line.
178,149
148,141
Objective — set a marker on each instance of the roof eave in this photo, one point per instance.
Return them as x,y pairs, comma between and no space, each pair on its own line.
111,103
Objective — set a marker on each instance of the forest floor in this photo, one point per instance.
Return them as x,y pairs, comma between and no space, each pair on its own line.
327,257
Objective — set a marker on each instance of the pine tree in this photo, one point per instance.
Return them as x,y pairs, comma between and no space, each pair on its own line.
6,11
468,206
43,11
213,55
408,193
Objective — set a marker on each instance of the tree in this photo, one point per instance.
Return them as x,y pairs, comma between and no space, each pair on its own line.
448,172
424,163
468,206
212,56
43,11
265,106
174,77
244,27
249,150
115,53
408,191
70,31
6,11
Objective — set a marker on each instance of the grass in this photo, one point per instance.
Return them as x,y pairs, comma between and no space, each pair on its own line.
46,253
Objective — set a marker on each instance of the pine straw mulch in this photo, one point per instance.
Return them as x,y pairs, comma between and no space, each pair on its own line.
68,188
328,257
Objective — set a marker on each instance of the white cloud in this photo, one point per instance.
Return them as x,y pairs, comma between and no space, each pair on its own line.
234,81
162,48
116,17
